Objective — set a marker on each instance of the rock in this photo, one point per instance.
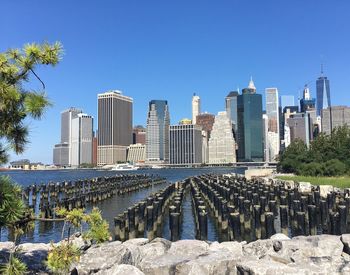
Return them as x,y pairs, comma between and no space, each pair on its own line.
122,269
79,242
265,266
34,255
305,187
259,248
178,253
301,248
188,248
345,239
103,257
234,248
325,189
137,242
5,249
215,262
279,237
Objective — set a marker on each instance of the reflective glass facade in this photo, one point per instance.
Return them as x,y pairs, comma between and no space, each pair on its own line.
250,127
323,98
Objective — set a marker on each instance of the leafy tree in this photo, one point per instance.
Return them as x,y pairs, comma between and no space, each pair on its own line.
17,103
293,157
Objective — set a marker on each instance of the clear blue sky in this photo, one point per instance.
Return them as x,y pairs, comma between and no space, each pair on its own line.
170,49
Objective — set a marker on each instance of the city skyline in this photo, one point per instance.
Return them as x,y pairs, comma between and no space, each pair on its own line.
171,50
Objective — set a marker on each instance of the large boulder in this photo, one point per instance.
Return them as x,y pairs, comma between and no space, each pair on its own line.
178,253
302,248
220,259
5,249
34,256
122,269
103,257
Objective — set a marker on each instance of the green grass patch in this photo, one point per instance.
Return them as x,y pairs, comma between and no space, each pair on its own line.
341,182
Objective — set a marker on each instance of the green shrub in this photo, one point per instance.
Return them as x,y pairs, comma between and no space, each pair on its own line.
311,169
61,257
13,267
98,227
334,167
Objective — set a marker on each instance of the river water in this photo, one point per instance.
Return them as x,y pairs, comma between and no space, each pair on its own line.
51,231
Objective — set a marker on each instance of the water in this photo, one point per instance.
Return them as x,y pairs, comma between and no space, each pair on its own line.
51,231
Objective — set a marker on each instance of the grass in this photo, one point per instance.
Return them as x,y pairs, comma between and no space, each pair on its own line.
341,182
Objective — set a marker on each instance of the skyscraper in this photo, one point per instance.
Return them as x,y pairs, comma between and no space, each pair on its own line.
206,121
300,127
272,112
307,103
139,135
114,127
231,108
335,117
157,132
196,107
185,144
82,135
63,151
323,94
250,132
222,145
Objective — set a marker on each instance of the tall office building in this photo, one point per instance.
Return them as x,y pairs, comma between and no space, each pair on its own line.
265,139
335,116
272,112
206,121
185,144
139,135
196,107
323,93
82,135
300,127
222,145
287,112
231,108
114,127
250,125
63,151
157,132
307,103
61,154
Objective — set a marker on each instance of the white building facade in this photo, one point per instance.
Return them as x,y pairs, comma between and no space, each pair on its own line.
196,108
222,145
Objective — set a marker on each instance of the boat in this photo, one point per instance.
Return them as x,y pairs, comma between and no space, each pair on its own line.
156,167
124,167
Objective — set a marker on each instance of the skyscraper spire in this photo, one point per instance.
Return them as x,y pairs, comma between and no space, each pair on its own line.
251,84
321,69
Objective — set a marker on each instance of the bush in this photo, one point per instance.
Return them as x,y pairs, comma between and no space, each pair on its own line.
13,267
61,257
334,167
313,169
98,230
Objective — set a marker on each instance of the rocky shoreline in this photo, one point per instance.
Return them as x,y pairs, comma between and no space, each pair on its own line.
320,254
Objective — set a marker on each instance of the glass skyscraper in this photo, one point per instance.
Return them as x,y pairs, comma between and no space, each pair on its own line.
157,133
231,108
323,96
250,125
